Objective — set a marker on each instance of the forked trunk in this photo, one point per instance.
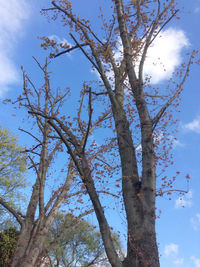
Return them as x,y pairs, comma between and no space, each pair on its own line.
142,246
29,247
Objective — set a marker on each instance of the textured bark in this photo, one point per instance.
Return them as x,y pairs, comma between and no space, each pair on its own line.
26,227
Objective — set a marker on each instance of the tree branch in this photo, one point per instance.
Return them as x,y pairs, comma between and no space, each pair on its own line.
96,67
56,128
15,213
90,119
166,22
70,49
34,165
161,112
161,193
76,21
64,188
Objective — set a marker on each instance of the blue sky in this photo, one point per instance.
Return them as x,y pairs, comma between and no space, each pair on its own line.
21,23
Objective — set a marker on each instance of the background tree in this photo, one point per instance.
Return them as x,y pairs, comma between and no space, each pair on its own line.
140,113
12,165
74,242
12,172
8,242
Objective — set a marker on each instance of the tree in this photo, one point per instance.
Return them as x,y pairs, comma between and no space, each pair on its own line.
140,113
8,241
43,204
34,228
74,242
12,170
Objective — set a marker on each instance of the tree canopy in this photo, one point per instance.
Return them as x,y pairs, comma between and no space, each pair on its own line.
8,242
73,242
12,165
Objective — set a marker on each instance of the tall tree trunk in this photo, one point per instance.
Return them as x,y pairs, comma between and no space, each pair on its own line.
138,195
139,199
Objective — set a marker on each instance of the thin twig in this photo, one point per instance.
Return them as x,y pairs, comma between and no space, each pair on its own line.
69,49
90,119
166,22
34,165
15,213
161,193
84,51
161,112
30,134
47,9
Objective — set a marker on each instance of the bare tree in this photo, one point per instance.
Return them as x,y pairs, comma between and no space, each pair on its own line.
139,112
40,213
49,135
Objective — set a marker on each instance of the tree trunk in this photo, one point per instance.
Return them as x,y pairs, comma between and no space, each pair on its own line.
22,244
139,195
31,258
30,245
103,224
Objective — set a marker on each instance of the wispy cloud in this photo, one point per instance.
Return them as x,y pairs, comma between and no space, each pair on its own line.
197,10
196,261
197,7
177,143
13,13
171,249
195,221
59,40
178,261
184,201
193,126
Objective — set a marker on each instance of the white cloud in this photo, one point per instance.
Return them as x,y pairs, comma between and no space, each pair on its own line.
197,7
195,221
165,54
177,143
12,14
59,40
178,261
184,201
171,249
197,10
158,138
196,261
193,126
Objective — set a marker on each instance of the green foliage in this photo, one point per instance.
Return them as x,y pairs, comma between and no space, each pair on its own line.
73,242
12,166
12,169
8,241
